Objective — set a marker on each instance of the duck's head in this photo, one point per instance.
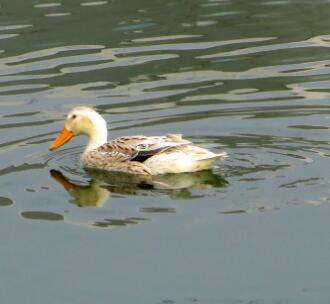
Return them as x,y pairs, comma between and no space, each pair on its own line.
82,121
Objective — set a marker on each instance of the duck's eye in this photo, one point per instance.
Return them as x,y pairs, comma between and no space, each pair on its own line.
73,116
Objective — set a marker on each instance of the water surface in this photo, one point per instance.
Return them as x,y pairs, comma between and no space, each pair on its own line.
248,77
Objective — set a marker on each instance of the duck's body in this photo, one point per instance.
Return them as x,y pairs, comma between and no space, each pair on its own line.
147,155
150,155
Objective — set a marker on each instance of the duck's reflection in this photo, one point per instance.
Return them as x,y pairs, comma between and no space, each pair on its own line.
104,184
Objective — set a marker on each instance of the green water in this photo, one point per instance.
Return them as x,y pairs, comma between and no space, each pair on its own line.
250,77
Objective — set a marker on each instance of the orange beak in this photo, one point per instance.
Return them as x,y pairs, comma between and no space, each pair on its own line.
62,138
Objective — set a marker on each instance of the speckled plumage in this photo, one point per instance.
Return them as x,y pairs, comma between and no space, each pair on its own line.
119,154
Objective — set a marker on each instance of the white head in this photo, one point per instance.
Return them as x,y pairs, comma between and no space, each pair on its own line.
83,121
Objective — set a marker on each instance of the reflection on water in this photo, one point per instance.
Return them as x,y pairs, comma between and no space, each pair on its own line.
110,223
39,215
103,185
5,201
105,223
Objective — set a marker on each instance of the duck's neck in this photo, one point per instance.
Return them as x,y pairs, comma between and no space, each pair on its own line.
97,136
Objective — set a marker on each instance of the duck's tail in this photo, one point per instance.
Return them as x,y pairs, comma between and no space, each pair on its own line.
222,155
207,162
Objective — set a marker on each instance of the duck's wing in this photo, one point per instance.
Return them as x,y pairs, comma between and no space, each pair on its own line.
114,156
150,145
116,151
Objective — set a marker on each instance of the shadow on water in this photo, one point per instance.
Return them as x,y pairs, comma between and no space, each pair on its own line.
103,185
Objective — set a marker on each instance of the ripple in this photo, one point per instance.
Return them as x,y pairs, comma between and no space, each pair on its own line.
19,88
64,156
277,2
42,215
118,63
58,14
317,41
304,182
238,211
134,26
35,65
117,222
7,36
14,27
21,168
47,5
165,38
94,3
221,14
157,210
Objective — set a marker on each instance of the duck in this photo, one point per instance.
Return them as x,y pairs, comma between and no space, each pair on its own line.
138,154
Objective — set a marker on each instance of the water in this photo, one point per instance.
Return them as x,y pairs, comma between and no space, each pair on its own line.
250,77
